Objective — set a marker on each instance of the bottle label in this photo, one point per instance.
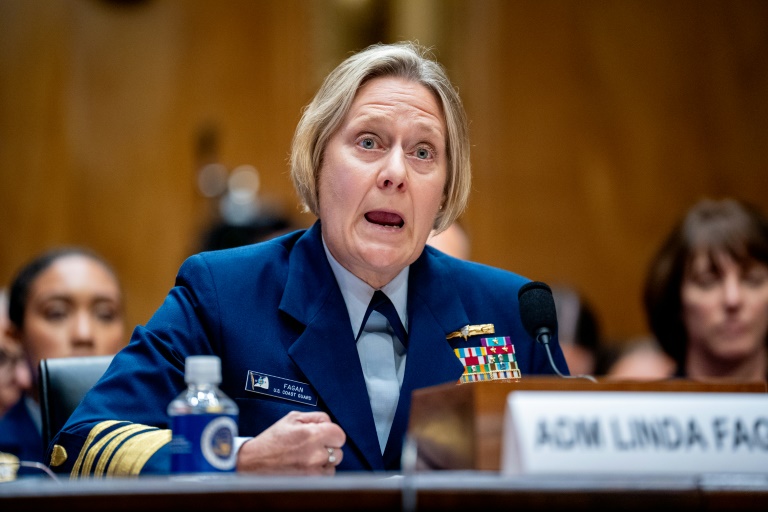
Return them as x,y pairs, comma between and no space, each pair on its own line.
203,443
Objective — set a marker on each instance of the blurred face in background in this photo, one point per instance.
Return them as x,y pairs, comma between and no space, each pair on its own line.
74,308
15,377
725,307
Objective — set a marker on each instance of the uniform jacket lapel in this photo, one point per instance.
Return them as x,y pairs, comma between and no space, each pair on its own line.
434,309
326,352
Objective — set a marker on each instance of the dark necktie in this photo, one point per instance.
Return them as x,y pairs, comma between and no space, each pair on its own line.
381,303
378,360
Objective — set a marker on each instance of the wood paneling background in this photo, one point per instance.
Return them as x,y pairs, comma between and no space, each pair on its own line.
595,124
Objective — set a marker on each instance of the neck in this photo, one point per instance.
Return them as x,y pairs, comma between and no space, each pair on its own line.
703,366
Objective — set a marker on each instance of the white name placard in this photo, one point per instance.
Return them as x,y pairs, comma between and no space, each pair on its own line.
634,432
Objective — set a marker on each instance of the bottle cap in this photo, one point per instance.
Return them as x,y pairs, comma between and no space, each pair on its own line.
203,369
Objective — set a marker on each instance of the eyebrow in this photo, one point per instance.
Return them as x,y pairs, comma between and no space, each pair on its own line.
67,297
422,126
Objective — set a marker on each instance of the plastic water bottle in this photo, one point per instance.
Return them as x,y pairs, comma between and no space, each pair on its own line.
203,421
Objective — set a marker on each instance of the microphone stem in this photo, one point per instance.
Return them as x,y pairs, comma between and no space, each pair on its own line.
545,342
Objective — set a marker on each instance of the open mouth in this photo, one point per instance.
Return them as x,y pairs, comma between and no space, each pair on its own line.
391,220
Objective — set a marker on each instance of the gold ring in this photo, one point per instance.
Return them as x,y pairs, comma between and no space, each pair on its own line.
331,456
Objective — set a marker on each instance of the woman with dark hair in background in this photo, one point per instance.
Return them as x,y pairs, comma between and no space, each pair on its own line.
65,302
706,293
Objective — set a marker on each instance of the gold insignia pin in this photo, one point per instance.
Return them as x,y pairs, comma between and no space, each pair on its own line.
58,456
471,330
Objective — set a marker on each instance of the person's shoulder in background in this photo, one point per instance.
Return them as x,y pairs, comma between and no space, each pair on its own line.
454,241
579,330
638,358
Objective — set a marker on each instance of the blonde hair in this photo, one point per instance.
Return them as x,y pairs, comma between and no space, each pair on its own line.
325,113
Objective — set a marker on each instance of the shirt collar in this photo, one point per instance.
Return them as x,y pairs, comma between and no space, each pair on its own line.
357,293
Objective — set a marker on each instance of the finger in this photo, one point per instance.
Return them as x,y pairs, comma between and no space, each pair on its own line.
333,435
335,438
310,417
324,430
333,456
336,456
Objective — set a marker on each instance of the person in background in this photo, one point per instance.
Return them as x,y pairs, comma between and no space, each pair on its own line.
706,292
224,235
65,302
639,358
15,376
356,311
454,241
578,330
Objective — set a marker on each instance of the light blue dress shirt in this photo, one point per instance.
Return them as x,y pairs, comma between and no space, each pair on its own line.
382,354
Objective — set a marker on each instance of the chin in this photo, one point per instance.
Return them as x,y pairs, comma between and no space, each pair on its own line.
387,257
386,260
736,350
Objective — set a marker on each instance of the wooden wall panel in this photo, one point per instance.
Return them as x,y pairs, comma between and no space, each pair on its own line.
594,124
103,103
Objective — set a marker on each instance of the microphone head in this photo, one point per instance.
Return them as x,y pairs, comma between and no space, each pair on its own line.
537,309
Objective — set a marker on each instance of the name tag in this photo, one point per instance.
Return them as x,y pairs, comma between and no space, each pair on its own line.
279,387
634,432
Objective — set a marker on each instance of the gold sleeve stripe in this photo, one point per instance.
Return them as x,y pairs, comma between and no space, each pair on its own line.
121,451
109,439
112,442
136,451
92,435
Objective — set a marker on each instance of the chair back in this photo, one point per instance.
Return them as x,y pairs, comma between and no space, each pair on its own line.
64,381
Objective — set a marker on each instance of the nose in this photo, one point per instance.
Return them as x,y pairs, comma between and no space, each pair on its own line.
394,170
83,330
732,291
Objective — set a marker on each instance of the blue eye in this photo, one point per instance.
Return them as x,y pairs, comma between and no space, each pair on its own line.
423,153
367,143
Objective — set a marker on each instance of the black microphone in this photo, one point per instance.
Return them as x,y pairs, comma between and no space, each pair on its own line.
539,316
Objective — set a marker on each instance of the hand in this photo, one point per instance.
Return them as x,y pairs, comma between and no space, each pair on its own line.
299,443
